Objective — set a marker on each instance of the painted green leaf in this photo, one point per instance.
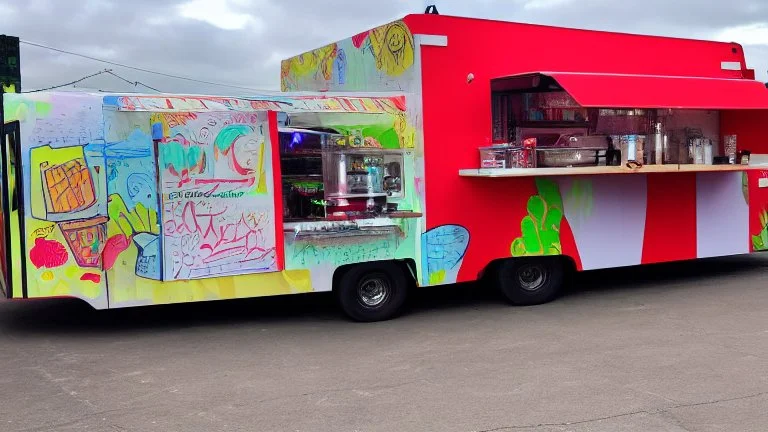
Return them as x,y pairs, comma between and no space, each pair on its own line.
130,222
745,186
764,236
518,248
541,228
550,192
537,207
757,243
549,238
553,219
389,139
530,235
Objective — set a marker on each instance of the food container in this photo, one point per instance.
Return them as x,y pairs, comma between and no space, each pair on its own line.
493,157
658,140
708,153
506,157
743,157
567,157
730,148
519,157
639,148
701,151
586,141
632,147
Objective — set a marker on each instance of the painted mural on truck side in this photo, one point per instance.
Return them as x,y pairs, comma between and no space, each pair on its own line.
376,60
128,201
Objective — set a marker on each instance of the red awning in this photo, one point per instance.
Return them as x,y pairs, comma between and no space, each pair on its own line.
594,90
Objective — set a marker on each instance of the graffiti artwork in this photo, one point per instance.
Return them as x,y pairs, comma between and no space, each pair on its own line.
218,216
133,200
443,251
541,228
385,55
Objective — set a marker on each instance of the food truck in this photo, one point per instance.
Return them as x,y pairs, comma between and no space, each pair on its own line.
429,151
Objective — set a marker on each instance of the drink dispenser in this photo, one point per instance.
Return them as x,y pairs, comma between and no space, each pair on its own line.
355,180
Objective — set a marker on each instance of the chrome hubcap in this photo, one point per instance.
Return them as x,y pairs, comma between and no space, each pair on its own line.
531,277
373,291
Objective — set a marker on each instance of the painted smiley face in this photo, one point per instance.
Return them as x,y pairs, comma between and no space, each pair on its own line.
396,39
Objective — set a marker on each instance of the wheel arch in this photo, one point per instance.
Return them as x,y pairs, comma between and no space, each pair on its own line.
408,265
568,261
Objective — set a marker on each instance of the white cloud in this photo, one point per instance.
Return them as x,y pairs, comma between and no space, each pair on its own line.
750,34
219,14
100,52
545,4
7,13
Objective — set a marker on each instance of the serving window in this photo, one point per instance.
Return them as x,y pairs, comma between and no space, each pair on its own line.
330,175
536,122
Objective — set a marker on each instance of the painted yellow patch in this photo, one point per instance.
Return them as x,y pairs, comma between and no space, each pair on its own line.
61,289
137,290
47,275
393,48
261,188
299,281
405,132
72,272
21,113
91,290
437,277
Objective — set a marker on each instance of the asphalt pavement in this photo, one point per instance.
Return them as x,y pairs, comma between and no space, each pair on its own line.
681,347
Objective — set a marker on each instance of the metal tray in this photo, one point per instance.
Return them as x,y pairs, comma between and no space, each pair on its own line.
568,157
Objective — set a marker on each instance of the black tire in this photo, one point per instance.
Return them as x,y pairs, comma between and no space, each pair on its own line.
530,281
372,291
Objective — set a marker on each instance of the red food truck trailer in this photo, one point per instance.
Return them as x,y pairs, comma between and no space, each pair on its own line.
428,151
554,148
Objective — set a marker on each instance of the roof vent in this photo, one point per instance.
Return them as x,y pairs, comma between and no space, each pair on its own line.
432,10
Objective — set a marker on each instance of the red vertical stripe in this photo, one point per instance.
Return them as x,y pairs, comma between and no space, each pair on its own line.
274,142
670,224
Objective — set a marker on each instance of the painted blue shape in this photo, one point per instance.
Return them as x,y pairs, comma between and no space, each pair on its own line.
340,67
157,131
138,144
131,170
141,189
148,262
111,101
443,249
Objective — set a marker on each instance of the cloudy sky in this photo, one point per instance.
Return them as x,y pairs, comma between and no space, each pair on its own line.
241,42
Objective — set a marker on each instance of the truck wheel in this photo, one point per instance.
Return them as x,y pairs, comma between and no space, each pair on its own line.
530,281
372,292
